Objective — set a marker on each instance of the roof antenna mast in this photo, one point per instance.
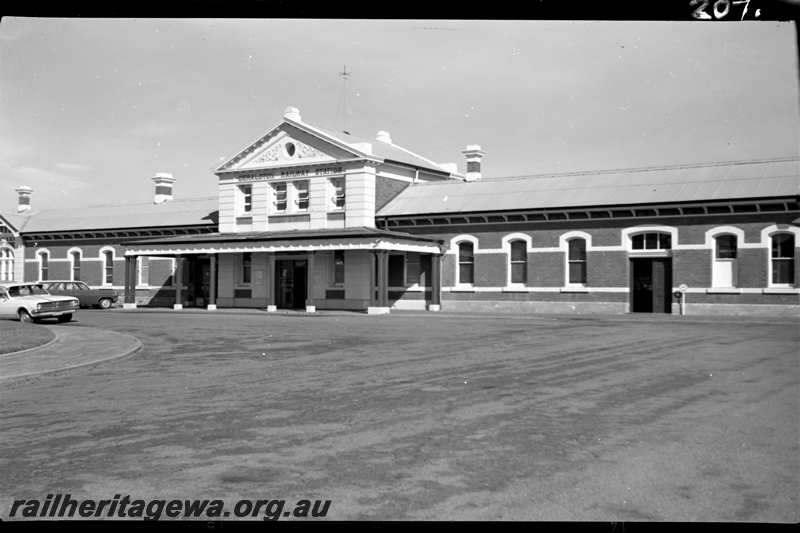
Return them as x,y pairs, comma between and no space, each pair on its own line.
344,75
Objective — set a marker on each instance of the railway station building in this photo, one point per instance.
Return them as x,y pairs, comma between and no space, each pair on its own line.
311,219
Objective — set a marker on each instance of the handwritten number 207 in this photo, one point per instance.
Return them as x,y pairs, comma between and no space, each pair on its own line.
720,8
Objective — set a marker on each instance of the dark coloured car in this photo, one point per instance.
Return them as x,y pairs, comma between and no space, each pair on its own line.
89,297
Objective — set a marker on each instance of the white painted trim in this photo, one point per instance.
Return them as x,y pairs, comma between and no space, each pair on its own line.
629,232
72,261
507,240
740,290
537,289
780,290
724,290
563,242
39,252
101,255
380,245
766,238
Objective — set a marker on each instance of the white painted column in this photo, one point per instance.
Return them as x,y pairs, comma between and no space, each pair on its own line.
359,193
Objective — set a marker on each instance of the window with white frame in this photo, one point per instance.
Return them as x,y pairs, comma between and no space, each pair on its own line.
279,193
75,261
724,267
301,194
518,262
245,201
108,267
576,262
337,193
44,266
338,267
782,260
6,264
651,241
466,263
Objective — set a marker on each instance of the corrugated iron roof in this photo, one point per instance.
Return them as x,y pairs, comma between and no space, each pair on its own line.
686,183
182,212
386,151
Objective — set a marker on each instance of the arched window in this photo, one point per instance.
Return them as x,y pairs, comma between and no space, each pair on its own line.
576,262
466,263
723,271
108,267
782,260
6,264
518,262
75,261
44,265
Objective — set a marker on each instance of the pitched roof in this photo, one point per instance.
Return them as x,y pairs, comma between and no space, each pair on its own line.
386,151
182,212
728,181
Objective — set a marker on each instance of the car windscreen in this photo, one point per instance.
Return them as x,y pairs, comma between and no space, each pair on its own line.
26,290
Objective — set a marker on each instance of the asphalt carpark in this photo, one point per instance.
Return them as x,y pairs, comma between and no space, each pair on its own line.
425,416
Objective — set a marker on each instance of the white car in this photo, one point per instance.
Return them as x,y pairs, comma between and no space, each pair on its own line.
30,302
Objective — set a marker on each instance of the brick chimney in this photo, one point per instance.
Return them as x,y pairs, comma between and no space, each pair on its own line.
23,198
474,156
163,192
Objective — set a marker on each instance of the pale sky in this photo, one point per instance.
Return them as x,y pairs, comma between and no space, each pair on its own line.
91,109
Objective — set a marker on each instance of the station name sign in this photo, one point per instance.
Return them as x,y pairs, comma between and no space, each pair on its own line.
295,173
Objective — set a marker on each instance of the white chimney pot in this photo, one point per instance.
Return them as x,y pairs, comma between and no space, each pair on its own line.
23,198
163,191
384,137
292,113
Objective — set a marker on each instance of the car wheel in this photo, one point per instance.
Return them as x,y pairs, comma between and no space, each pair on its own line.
24,316
104,303
65,318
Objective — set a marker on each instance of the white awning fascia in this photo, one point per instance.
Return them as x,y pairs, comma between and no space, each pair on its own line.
210,248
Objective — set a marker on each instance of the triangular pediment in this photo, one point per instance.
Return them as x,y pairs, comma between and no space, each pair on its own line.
286,145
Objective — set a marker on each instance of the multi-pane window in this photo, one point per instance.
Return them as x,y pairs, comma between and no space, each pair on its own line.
247,264
6,264
44,259
280,196
337,198
108,267
651,241
301,188
576,261
76,265
518,261
466,263
782,255
246,198
338,267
